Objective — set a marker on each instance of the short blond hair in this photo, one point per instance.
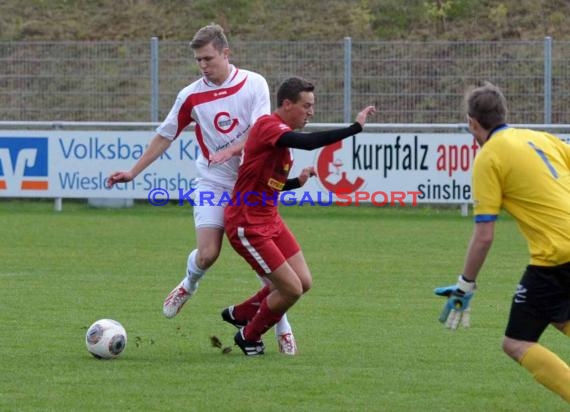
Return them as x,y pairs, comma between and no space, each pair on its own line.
212,33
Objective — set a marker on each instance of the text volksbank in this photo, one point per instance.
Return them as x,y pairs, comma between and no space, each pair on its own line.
98,149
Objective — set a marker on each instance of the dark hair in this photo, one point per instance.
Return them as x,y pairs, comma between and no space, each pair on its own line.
487,105
291,88
212,33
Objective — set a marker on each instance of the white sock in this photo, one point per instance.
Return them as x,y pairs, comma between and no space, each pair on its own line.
283,326
193,273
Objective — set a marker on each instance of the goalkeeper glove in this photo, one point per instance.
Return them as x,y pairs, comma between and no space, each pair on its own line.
456,309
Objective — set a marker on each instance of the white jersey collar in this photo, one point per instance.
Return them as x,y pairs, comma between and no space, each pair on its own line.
233,72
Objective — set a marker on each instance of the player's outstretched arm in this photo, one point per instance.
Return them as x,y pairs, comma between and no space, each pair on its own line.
157,147
314,140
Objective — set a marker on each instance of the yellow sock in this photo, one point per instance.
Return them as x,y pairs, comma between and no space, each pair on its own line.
548,369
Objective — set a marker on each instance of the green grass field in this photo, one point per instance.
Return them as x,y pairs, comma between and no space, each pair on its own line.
368,333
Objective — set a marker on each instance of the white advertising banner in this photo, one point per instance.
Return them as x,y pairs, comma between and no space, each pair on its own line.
394,168
75,164
379,168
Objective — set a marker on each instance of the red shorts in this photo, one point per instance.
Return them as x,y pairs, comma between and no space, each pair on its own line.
265,247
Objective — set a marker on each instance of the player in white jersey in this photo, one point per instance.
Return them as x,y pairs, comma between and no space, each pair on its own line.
223,114
224,104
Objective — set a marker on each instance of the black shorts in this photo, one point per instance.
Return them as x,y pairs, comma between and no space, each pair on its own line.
542,297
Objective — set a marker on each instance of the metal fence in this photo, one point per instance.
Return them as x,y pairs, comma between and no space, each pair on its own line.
410,82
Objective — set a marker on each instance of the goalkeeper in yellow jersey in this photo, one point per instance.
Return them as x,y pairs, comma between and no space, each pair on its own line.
527,173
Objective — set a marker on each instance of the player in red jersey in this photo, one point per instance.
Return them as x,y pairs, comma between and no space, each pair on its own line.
252,222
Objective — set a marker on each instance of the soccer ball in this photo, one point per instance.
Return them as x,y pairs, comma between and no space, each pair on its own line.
106,339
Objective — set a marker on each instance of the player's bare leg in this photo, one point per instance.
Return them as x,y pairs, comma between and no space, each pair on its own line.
199,261
288,286
285,338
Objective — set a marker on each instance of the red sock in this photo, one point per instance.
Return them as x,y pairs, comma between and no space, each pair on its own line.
261,323
246,311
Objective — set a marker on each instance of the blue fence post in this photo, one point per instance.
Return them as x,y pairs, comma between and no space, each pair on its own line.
347,80
548,80
154,79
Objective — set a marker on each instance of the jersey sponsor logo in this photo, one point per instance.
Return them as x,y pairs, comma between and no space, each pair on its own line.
23,163
331,173
224,123
275,184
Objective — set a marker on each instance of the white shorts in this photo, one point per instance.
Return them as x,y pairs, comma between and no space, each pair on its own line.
210,200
